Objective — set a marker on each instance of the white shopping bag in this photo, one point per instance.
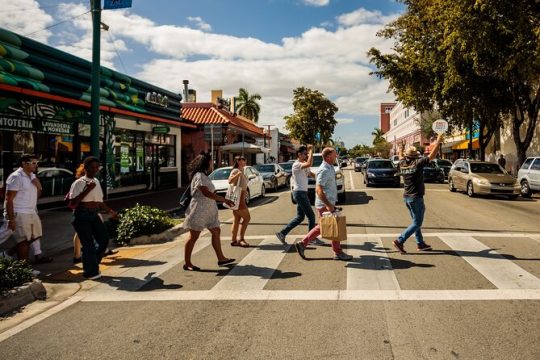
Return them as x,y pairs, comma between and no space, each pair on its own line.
234,193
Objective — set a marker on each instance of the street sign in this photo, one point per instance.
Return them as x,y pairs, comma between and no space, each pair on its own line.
117,4
440,126
161,129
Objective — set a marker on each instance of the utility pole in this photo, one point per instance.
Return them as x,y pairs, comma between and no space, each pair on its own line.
265,138
95,84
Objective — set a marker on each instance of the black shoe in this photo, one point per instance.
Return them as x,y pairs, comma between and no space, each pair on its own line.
300,248
77,260
43,259
399,246
423,247
225,262
191,268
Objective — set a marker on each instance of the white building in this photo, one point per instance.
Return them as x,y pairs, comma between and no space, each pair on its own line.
405,127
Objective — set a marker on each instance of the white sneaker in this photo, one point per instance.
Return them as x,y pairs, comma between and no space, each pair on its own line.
343,257
317,242
36,272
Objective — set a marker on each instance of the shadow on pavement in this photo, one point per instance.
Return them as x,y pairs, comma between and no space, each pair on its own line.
262,272
484,254
366,262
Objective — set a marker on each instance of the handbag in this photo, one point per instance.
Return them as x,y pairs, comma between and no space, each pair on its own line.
69,201
234,193
185,199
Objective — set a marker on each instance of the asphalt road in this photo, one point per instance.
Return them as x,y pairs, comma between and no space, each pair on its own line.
475,296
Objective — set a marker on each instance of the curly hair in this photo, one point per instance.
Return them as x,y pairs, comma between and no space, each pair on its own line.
201,163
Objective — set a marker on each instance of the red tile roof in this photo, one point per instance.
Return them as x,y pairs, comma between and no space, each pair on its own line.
209,113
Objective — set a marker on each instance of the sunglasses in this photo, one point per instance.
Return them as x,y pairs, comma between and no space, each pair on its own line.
32,162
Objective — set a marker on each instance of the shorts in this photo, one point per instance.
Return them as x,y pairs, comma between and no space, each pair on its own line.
28,227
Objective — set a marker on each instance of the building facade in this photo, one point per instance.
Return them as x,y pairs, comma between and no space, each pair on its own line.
384,116
404,128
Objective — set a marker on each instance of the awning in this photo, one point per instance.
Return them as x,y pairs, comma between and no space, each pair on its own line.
464,145
245,148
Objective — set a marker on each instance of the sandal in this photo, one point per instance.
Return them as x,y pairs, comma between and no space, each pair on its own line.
243,243
191,268
225,262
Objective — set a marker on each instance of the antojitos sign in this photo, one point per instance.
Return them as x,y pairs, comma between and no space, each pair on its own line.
39,126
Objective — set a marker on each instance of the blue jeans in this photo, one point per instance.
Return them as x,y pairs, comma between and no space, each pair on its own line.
416,209
90,228
303,209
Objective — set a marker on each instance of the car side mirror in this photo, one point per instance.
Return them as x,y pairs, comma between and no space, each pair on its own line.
464,170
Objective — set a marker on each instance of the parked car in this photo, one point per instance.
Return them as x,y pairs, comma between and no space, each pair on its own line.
480,177
395,159
433,173
340,181
445,165
359,162
273,175
287,167
55,181
381,172
529,177
220,179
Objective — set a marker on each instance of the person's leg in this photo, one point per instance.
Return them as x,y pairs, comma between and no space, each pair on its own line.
412,227
336,246
82,223
419,210
35,246
76,247
188,248
300,215
236,224
216,243
23,249
246,218
313,233
101,236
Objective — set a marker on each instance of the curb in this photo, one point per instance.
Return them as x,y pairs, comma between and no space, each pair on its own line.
22,295
165,236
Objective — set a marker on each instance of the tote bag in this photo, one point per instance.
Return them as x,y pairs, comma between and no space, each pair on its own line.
234,193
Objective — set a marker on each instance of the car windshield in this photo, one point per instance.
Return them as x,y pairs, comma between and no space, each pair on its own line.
220,174
286,166
444,163
361,160
380,164
486,168
265,168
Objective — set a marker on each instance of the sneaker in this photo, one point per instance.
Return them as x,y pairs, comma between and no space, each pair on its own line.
317,242
300,248
77,260
281,237
399,246
342,256
95,277
423,247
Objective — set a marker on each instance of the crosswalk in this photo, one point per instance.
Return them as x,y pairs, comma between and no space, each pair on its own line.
371,275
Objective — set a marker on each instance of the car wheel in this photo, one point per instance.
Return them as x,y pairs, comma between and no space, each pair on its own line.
470,189
451,185
248,197
263,191
525,189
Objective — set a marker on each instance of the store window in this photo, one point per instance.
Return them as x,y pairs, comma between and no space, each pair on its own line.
161,149
129,158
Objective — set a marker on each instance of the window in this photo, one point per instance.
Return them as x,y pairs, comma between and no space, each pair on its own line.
527,163
387,110
536,165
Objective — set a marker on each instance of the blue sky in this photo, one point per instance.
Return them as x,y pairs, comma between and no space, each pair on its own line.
267,46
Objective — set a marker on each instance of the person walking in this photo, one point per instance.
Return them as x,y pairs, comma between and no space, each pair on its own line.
241,215
20,209
411,168
502,161
299,187
326,198
87,198
202,212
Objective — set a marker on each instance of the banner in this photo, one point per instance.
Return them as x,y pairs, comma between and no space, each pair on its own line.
117,4
124,158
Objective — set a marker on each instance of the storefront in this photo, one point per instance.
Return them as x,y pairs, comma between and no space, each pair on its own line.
44,110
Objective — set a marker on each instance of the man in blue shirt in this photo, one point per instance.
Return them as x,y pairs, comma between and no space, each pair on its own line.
326,190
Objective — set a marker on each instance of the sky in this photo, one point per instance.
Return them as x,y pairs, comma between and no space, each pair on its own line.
269,47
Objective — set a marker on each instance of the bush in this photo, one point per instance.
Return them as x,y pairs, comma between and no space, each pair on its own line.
14,273
141,220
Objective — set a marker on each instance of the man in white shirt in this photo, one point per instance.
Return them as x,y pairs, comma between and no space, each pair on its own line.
22,191
299,187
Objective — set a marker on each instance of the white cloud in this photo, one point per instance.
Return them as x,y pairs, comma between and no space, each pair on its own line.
343,121
25,17
316,2
364,16
200,23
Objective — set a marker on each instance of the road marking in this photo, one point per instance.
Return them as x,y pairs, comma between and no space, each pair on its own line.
401,189
437,234
371,268
352,182
320,295
503,273
254,271
36,319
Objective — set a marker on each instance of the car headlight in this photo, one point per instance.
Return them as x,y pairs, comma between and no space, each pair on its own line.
482,182
339,175
370,174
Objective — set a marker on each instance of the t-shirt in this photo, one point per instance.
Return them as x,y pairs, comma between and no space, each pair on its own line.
241,181
78,186
412,171
26,199
299,179
326,178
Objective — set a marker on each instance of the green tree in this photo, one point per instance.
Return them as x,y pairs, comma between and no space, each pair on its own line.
247,105
378,136
469,59
313,113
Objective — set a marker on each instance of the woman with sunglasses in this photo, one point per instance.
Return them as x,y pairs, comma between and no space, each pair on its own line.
238,178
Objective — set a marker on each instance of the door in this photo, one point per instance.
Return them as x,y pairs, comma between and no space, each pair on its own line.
152,165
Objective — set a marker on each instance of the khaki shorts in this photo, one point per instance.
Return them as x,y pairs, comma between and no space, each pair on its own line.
28,227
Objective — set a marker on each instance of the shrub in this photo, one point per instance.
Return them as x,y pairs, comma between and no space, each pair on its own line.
141,220
14,273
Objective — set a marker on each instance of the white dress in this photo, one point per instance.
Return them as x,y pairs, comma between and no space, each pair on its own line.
202,212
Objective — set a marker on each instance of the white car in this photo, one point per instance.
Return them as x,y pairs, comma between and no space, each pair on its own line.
340,180
220,179
529,177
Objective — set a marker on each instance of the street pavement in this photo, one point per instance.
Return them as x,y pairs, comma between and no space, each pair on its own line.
475,296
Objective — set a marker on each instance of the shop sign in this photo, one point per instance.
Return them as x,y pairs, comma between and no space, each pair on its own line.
139,153
157,99
161,129
124,158
43,126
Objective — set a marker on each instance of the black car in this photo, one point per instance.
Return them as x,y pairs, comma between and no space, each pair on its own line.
433,173
381,172
443,164
359,162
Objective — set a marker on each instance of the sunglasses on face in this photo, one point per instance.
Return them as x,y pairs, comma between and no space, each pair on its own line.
32,162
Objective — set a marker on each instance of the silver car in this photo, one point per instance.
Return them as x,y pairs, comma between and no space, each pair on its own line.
529,177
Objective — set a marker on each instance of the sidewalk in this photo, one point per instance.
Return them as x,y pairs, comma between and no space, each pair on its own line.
57,229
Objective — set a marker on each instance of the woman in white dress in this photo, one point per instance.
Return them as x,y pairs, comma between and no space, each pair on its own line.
241,215
202,212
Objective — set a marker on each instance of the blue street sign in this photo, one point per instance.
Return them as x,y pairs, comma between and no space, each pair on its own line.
117,4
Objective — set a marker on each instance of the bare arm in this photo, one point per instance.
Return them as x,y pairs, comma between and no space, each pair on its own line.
234,178
211,195
10,195
37,184
435,150
309,161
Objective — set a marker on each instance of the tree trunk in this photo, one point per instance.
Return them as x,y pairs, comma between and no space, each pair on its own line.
525,114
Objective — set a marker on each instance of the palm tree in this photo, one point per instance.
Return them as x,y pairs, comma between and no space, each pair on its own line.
378,136
247,105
